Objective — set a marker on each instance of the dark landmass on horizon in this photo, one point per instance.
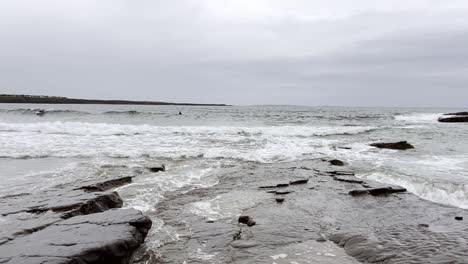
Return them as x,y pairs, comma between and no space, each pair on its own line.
41,99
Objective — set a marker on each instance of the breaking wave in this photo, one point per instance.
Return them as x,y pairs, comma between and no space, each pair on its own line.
419,117
105,129
449,193
77,139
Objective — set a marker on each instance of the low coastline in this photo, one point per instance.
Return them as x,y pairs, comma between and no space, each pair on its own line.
33,99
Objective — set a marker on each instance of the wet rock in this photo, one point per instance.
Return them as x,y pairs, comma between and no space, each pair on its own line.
279,200
268,187
303,181
70,224
402,145
107,185
457,114
459,218
454,119
341,173
336,162
108,237
157,169
247,220
347,179
378,191
283,192
279,185
358,192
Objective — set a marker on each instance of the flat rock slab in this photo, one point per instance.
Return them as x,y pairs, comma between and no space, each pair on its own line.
108,237
78,223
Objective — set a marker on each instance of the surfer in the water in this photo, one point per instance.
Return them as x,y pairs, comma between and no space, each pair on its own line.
40,112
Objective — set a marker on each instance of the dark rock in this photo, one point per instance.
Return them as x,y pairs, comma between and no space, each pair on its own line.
303,181
279,185
267,187
402,145
347,179
358,192
70,224
378,191
386,190
107,185
459,218
247,220
283,192
345,148
279,200
336,162
454,119
157,169
457,114
108,237
342,173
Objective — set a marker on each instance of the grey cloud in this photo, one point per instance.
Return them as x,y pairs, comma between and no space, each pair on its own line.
182,51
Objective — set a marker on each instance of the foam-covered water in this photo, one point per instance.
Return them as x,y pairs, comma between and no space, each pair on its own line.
67,142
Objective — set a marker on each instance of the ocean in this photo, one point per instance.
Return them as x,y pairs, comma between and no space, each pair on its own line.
72,142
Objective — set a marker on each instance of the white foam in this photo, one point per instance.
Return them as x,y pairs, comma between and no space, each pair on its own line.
275,257
419,117
440,192
75,139
105,129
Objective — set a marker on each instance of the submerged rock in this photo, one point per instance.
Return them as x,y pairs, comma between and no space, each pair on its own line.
157,169
336,162
247,220
402,145
378,191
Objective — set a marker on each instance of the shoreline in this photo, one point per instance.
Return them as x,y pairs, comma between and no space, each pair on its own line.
312,211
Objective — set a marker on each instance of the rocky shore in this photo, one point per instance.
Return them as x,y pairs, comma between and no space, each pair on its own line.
305,212
314,211
79,223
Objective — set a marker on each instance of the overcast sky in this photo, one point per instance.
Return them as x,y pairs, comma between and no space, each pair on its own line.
304,52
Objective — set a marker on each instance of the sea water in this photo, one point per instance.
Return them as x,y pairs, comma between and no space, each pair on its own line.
70,142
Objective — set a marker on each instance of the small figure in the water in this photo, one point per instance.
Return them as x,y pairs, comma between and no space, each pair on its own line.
40,112
180,113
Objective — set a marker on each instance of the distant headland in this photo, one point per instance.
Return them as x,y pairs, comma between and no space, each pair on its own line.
42,99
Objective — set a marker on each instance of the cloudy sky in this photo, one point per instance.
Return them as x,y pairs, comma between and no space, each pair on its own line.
304,52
